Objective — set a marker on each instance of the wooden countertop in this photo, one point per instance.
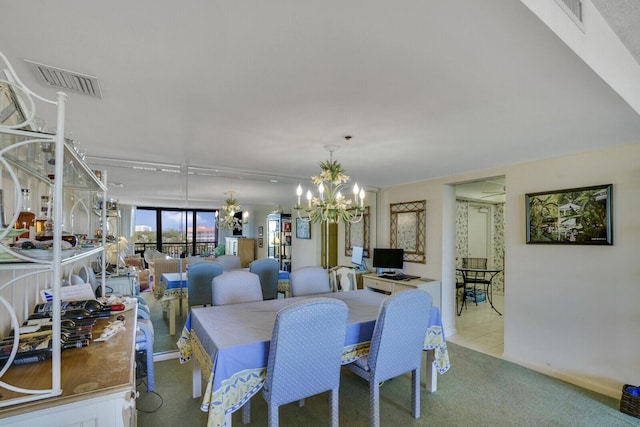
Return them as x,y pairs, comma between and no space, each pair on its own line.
100,368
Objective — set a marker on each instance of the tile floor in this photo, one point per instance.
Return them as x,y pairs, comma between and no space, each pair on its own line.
480,328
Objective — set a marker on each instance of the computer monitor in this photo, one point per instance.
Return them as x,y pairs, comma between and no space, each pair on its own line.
388,258
357,253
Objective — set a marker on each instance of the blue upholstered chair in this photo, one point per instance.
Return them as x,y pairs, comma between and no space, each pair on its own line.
396,347
200,282
304,355
234,287
87,274
267,270
309,280
230,262
144,342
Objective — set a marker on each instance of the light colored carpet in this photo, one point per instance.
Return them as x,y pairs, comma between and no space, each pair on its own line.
479,390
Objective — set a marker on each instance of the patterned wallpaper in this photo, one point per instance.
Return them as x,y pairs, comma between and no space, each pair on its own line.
462,237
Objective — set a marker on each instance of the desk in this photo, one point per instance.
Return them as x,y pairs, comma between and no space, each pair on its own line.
467,279
174,289
231,345
390,286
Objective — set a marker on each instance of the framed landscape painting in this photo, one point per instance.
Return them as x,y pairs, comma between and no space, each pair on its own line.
576,216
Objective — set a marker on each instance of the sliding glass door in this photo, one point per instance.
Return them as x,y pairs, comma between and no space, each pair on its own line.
176,232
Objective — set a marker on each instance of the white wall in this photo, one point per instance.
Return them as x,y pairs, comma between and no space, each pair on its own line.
570,311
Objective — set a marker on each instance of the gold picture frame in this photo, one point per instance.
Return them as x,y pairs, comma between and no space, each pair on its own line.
408,229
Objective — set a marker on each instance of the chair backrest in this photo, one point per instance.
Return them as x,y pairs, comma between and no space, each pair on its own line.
306,349
234,287
200,282
344,279
474,262
308,281
267,270
150,255
87,275
473,276
398,336
74,279
171,265
230,262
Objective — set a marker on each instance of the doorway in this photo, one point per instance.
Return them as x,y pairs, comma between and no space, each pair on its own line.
480,234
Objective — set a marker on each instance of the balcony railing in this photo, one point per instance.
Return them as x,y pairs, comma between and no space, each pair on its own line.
176,250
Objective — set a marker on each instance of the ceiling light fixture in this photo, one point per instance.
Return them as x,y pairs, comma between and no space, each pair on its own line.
331,205
226,219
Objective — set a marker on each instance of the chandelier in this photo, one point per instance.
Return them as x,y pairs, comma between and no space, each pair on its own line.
227,219
330,204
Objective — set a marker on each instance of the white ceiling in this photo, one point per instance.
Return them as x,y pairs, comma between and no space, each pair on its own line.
252,91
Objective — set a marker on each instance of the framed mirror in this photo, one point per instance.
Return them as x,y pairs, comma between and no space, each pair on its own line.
357,234
408,229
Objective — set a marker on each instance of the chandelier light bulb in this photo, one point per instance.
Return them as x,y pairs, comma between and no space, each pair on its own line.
299,193
356,189
362,197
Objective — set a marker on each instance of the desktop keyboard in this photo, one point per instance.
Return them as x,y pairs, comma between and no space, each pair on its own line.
398,276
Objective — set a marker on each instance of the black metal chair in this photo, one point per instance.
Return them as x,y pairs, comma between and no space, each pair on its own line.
475,277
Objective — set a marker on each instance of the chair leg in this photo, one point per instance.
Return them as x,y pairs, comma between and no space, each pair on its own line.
273,415
334,408
415,392
246,412
374,403
464,299
150,371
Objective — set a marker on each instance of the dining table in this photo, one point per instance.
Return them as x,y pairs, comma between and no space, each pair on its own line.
230,344
475,276
173,294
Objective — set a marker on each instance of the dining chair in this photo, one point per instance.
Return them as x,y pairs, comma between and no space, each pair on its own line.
476,278
304,356
230,262
460,285
268,270
309,281
234,287
74,279
144,342
200,282
396,347
87,274
344,279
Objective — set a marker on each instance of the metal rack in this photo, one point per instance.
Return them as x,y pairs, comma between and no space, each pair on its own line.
24,274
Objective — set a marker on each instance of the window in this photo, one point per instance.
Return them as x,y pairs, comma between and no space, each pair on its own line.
176,232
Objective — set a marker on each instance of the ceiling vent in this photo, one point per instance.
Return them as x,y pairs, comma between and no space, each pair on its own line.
573,8
67,80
